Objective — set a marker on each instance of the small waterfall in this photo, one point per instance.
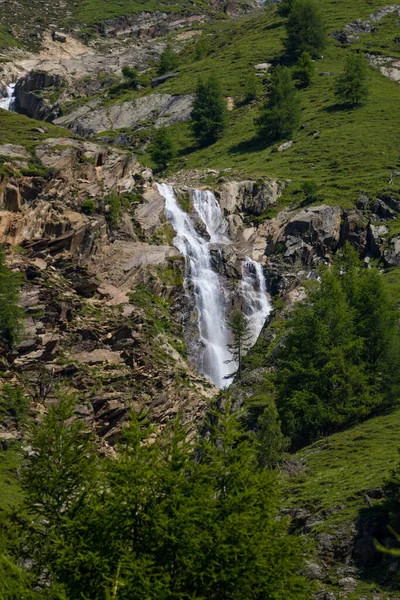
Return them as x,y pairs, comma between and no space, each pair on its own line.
209,294
7,102
209,211
256,305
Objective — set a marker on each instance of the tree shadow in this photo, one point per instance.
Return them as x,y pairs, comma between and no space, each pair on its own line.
338,107
254,144
374,566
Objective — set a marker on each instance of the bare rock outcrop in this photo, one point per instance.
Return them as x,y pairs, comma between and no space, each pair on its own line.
160,109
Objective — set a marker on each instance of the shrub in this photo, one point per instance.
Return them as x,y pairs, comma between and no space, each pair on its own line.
168,61
88,207
304,70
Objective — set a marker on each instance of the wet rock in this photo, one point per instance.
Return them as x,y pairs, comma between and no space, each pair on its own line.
159,80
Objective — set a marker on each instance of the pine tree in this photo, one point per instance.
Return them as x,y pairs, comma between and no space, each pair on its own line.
284,7
131,76
168,61
281,113
163,148
251,88
304,70
271,443
339,353
241,338
209,115
305,29
352,85
56,474
11,315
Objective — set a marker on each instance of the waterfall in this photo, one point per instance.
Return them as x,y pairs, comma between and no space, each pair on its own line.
208,292
7,102
256,305
207,286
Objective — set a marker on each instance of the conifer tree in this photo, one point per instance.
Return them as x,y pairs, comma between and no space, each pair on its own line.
304,70
11,315
209,115
352,85
168,61
241,338
162,149
56,474
281,113
334,366
305,29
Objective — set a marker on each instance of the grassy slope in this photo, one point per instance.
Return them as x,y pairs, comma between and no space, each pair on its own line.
355,150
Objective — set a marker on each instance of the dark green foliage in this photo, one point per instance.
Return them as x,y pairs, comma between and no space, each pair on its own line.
339,360
241,338
304,70
13,404
157,523
11,315
271,443
281,113
284,7
352,85
311,192
162,149
168,61
88,207
251,88
202,47
131,76
113,214
305,29
56,475
209,115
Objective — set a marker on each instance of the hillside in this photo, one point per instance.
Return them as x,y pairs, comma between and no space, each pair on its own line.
131,272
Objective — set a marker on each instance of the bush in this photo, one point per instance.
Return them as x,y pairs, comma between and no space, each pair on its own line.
168,61
304,70
281,113
209,115
132,77
352,86
88,207
311,193
11,315
305,29
113,203
251,88
13,404
163,148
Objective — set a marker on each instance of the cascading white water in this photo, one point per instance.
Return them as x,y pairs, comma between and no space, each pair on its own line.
208,288
256,305
209,211
7,102
208,292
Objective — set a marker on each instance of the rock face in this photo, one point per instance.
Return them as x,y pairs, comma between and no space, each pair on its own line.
92,288
313,230
160,109
28,94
